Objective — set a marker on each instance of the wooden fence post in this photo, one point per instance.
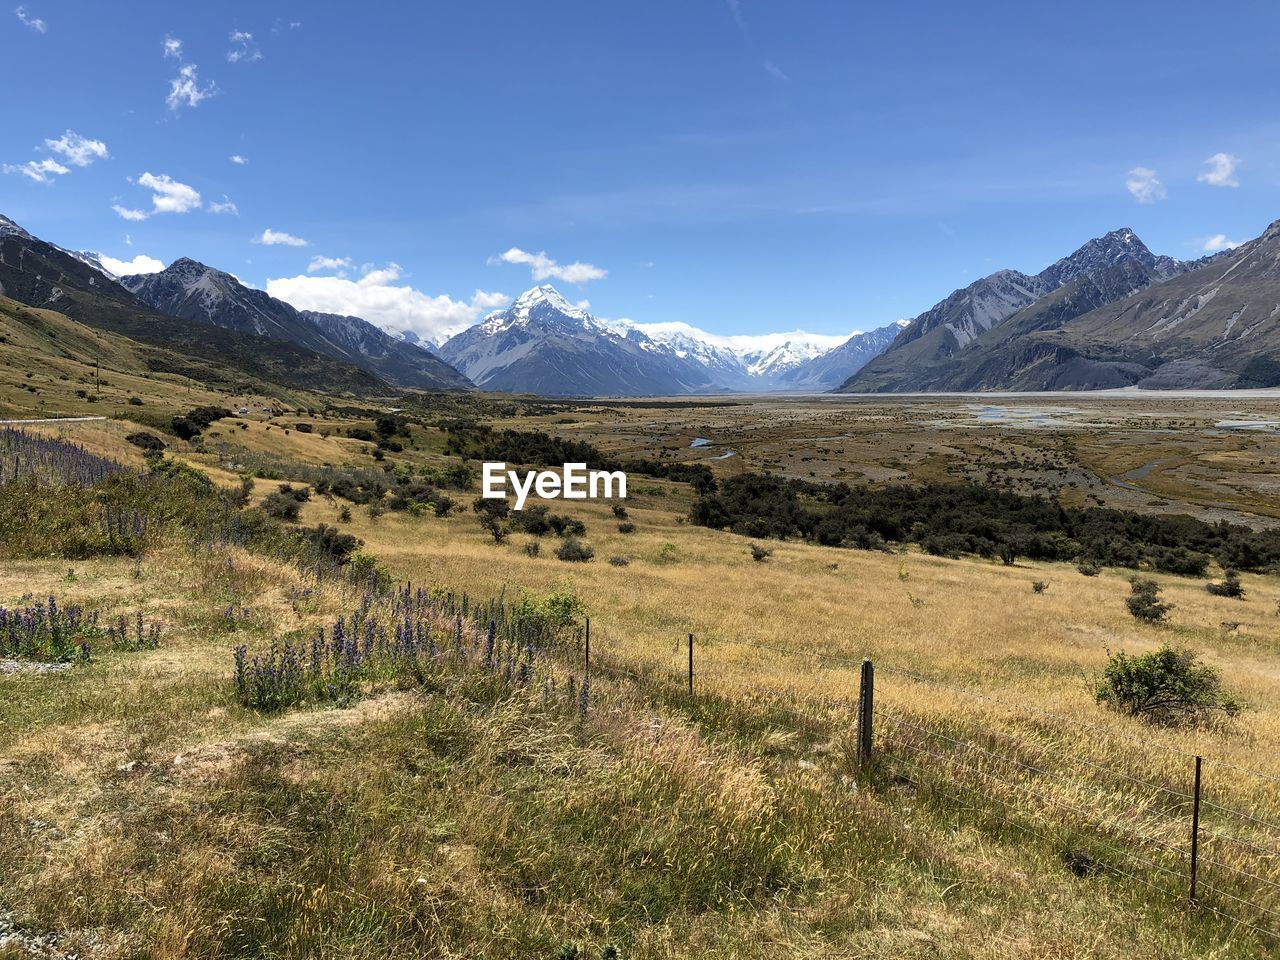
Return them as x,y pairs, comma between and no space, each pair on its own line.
691,664
866,698
1195,833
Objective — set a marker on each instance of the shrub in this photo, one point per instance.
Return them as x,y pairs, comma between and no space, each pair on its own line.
619,561
532,548
1088,568
627,527
1229,587
1144,601
189,425
619,511
567,526
1165,686
1040,586
281,506
496,528
760,554
145,441
135,401
574,550
333,543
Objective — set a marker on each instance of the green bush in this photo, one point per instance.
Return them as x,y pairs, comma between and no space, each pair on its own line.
1144,601
1229,587
1165,686
573,550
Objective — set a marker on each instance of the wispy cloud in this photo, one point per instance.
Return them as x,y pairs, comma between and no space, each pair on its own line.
1145,186
735,8
243,49
77,150
167,196
543,267
1219,242
775,71
186,90
339,265
238,159
277,238
224,206
377,297
41,171
35,23
129,213
71,147
1221,172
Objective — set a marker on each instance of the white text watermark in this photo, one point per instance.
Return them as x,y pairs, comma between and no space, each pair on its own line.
573,482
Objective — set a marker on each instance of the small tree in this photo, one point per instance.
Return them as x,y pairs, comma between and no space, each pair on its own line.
1229,587
1165,686
574,550
1144,601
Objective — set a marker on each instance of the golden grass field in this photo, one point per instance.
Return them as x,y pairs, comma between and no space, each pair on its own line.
149,814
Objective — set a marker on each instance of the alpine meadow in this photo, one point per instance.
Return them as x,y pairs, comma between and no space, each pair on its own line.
860,538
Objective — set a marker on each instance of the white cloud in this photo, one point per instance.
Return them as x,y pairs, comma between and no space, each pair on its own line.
276,238
41,171
35,23
775,71
1144,185
1221,172
1219,242
186,90
244,48
337,264
78,150
124,268
543,267
172,48
238,160
226,206
377,298
168,195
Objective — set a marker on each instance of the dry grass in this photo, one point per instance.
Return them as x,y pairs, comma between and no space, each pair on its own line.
149,814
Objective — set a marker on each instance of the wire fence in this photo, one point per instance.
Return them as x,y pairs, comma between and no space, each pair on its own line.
1107,801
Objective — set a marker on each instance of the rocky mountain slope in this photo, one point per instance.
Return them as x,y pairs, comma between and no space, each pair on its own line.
949,327
543,344
1138,321
830,369
193,291
43,275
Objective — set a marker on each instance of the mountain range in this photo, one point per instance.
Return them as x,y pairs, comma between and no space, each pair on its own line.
544,344
193,291
1110,314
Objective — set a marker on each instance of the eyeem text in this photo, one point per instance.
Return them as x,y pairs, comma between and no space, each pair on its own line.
574,482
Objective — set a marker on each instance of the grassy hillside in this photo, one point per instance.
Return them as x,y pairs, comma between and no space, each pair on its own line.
461,814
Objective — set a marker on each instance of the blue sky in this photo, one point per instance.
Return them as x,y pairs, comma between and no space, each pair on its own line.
741,165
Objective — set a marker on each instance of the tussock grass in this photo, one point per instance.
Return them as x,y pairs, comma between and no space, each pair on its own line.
150,813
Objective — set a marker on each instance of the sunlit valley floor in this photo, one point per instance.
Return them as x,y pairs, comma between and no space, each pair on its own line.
151,812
